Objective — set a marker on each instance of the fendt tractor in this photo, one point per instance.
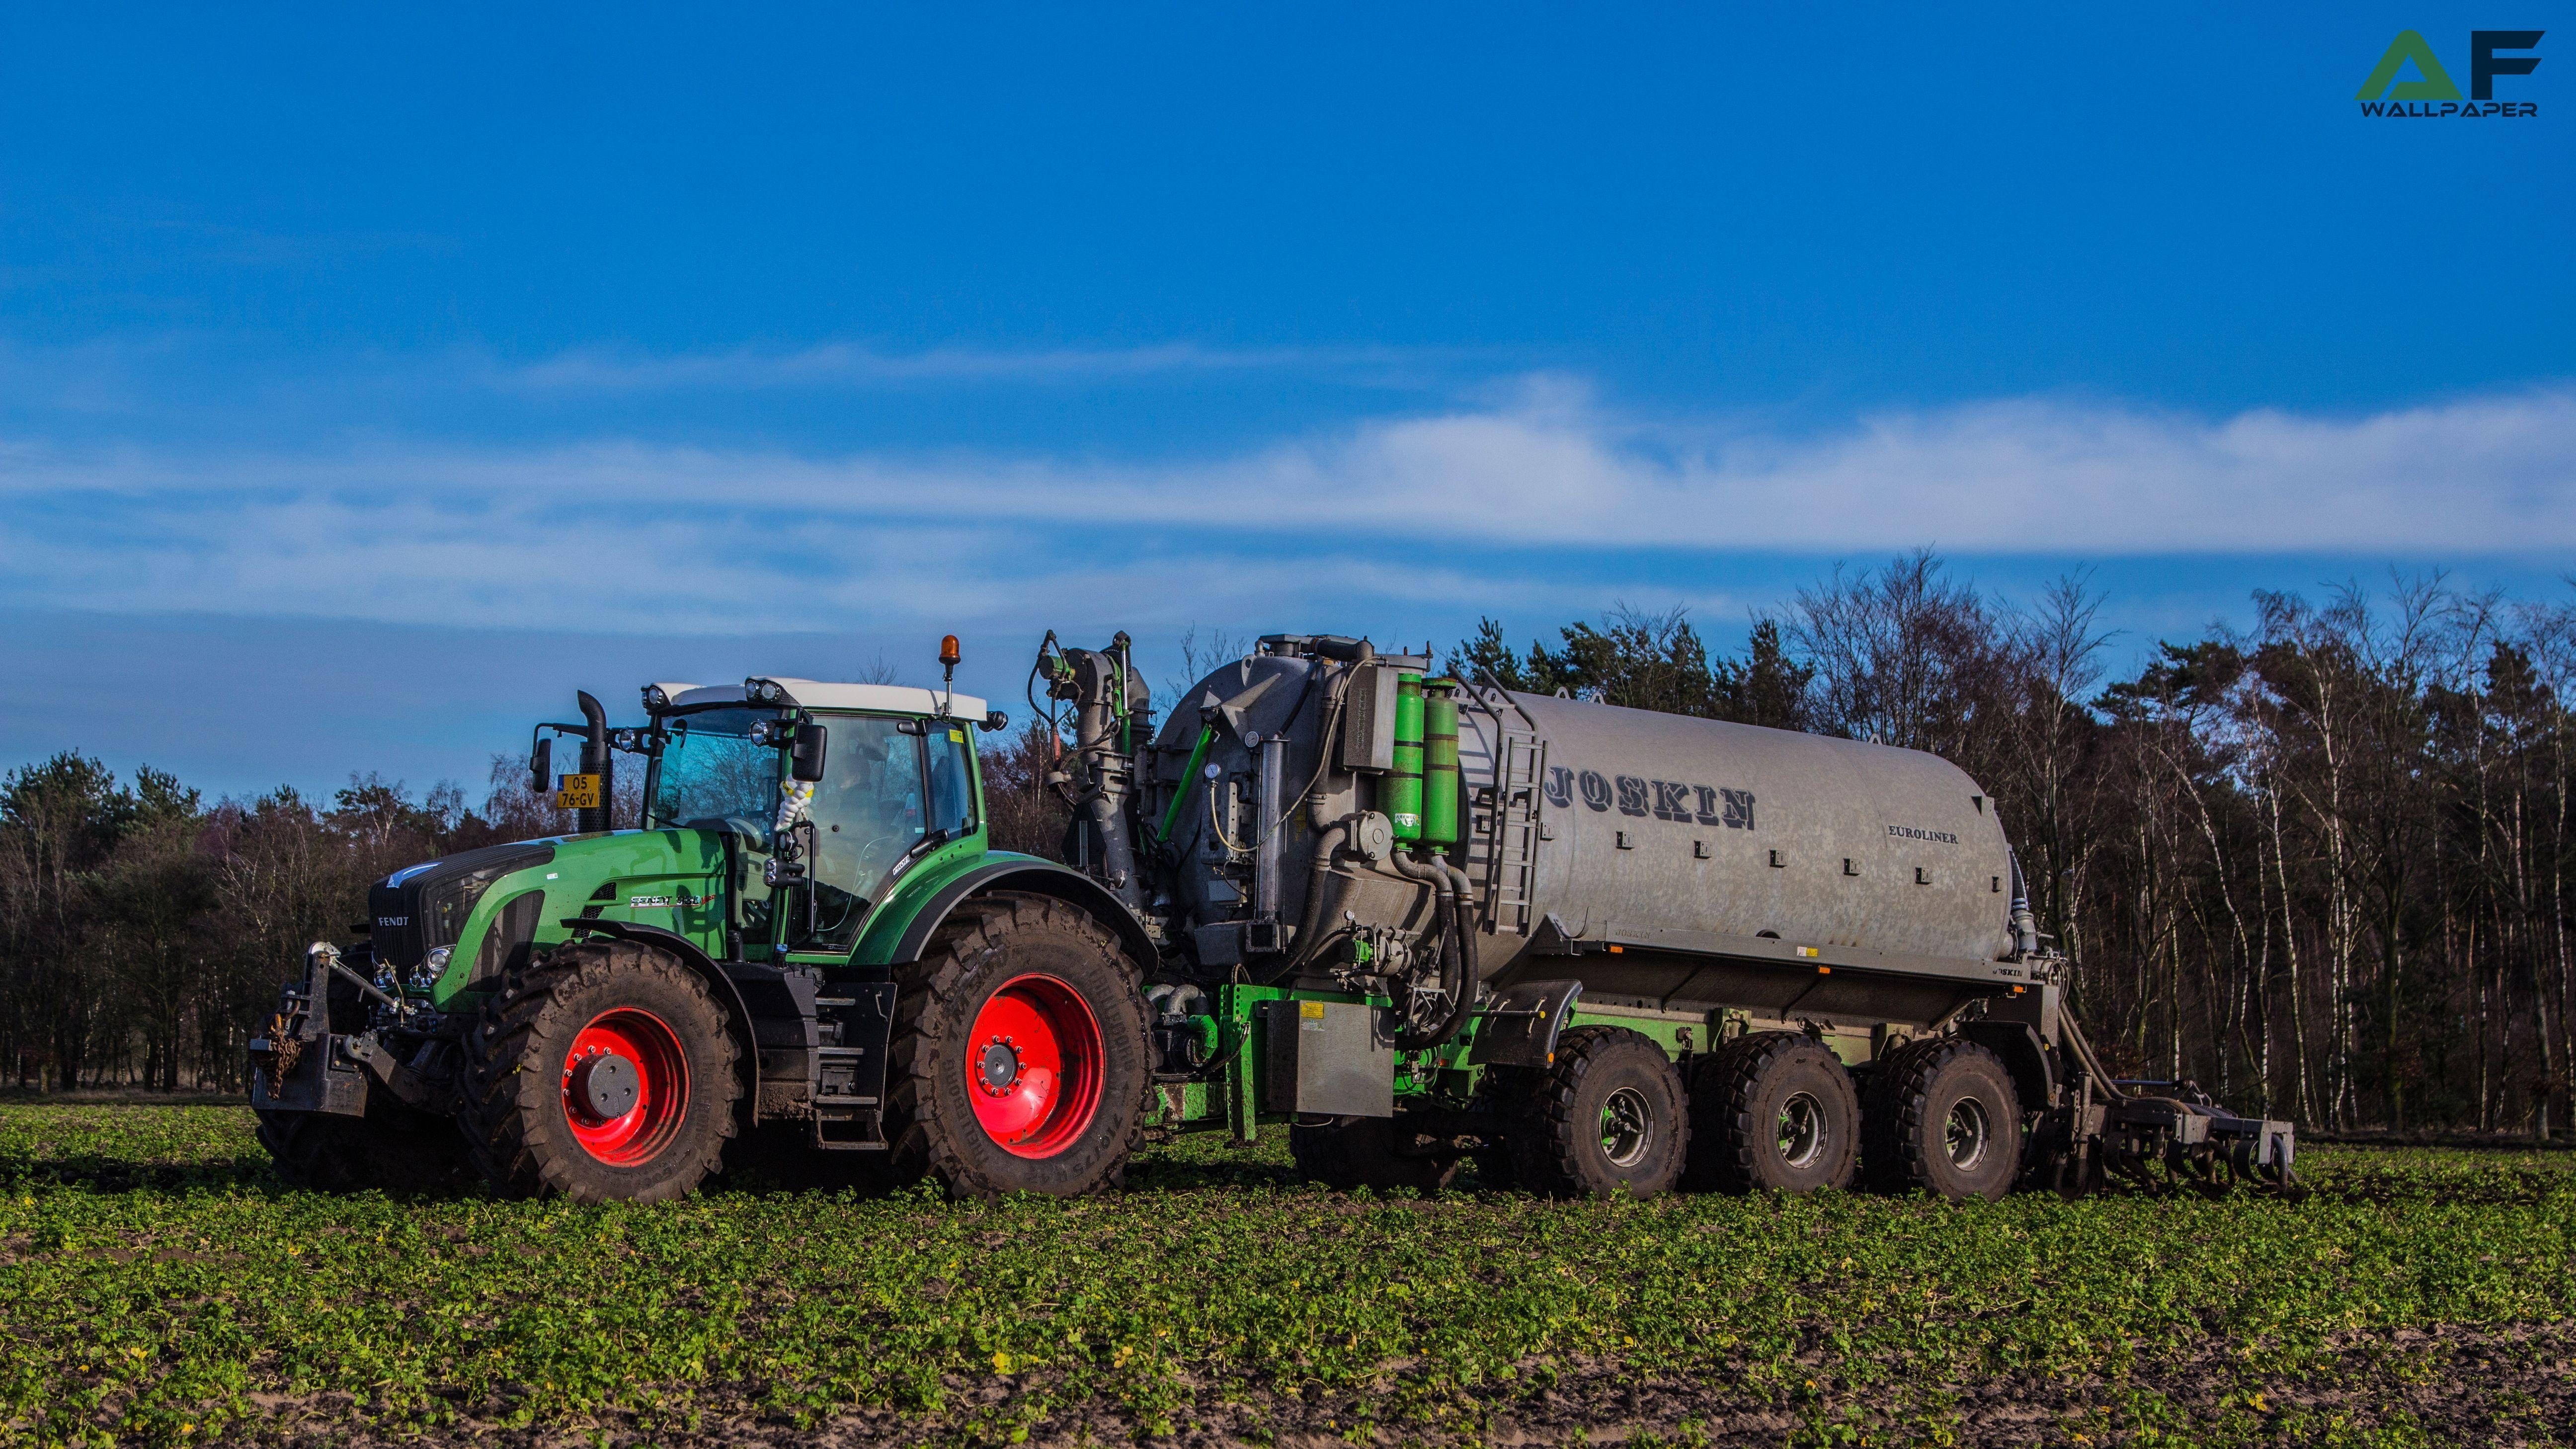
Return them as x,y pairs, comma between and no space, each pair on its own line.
1412,920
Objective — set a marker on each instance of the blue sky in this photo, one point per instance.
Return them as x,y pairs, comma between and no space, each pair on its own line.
370,379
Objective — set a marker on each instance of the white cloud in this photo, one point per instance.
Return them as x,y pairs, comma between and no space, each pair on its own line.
628,535
841,365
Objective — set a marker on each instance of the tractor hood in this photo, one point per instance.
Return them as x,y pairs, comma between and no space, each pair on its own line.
422,907
490,908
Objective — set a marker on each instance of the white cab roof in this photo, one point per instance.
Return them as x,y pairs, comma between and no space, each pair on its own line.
818,694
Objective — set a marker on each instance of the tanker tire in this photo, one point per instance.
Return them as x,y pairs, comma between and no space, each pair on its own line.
1560,1145
989,943
514,1117
1356,1152
1942,1117
391,1149
1742,1097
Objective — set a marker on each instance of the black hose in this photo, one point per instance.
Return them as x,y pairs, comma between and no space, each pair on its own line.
1467,926
1457,950
1409,1038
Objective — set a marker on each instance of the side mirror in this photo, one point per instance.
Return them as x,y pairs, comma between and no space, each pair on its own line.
805,755
541,766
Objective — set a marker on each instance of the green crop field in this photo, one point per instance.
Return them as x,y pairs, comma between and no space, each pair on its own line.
158,1286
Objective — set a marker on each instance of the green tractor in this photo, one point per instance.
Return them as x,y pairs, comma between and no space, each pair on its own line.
806,939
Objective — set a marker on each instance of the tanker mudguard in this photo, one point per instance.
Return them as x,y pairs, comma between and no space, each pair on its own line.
1037,877
2018,1045
1520,1026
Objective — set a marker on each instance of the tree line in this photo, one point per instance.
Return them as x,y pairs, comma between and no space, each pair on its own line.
2319,865
144,930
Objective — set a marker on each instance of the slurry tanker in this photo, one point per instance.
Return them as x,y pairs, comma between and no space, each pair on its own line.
1410,919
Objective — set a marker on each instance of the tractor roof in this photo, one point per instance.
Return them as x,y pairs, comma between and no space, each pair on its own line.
817,694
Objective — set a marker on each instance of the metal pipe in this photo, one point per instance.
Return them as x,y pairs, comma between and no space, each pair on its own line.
1328,843
2025,926
1329,836
1106,692
1265,850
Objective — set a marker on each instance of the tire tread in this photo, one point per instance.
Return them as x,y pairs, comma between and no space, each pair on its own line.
504,1100
922,1145
1894,1126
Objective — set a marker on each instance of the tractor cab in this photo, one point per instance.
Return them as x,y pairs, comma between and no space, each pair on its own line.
821,795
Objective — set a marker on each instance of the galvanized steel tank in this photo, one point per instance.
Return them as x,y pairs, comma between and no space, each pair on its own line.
1667,862
1661,822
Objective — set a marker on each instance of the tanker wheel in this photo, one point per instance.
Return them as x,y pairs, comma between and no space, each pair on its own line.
1019,1059
1943,1117
1607,1117
1371,1152
1773,1110
391,1149
602,1071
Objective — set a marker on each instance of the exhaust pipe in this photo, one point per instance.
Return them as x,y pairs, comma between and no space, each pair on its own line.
596,760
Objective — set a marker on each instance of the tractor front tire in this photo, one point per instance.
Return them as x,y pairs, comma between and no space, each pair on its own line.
602,1071
1377,1153
391,1149
1943,1117
1773,1110
1019,1059
1608,1117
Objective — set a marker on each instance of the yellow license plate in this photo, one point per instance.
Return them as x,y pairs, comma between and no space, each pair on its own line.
576,792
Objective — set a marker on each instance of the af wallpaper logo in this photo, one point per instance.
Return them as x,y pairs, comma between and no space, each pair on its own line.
2433,96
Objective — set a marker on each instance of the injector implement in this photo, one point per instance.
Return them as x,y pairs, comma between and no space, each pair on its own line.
1410,919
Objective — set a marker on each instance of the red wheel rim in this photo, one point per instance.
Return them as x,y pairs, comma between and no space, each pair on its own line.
625,1086
1033,1066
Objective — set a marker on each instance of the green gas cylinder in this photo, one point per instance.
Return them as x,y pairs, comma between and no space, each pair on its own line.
1439,762
1401,795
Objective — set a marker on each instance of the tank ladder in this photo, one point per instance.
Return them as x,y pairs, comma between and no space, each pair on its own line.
1512,827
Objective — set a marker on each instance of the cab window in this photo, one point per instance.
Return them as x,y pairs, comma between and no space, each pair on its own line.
952,779
867,813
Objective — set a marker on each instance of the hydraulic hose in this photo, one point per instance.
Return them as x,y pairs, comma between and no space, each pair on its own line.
1466,890
1462,948
1456,974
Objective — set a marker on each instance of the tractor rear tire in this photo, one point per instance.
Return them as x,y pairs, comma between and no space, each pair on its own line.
602,1071
1609,1117
1773,1110
1372,1152
1943,1117
391,1149
1020,1058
